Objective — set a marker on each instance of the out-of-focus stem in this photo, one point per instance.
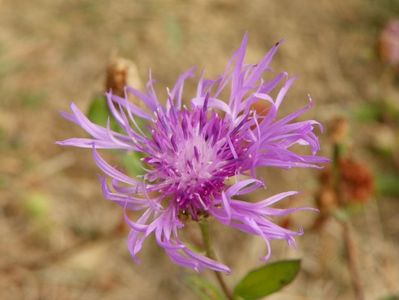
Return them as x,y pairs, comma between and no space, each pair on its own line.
351,258
346,227
209,253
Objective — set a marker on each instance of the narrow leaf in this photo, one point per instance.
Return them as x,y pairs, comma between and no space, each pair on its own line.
132,163
98,113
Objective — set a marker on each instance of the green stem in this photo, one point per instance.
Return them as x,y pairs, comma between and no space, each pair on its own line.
337,172
204,225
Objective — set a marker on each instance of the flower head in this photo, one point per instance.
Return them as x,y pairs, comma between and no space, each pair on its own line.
190,153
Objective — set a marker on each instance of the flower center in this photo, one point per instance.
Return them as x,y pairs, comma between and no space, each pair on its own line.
191,156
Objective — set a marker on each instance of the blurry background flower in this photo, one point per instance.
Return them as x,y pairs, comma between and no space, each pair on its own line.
389,43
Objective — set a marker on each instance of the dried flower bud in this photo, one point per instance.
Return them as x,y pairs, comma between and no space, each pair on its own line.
338,130
389,43
286,222
325,177
357,180
356,184
326,201
121,72
261,108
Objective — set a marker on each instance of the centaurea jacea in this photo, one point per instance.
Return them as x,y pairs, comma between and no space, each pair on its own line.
190,155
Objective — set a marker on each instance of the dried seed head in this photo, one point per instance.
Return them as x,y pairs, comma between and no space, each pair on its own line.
357,180
338,130
121,72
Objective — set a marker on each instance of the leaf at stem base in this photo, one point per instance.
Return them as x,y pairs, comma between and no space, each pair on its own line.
267,279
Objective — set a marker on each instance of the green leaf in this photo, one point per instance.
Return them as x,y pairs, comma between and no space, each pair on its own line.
203,288
390,297
267,279
98,111
132,163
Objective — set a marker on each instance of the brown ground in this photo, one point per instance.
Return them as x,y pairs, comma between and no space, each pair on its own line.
57,236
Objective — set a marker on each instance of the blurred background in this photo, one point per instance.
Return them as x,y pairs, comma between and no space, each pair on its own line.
60,240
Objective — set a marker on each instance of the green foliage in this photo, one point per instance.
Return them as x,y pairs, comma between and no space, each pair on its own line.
267,279
342,214
3,182
203,288
98,111
390,297
36,206
174,32
388,184
368,112
132,163
7,65
33,99
380,110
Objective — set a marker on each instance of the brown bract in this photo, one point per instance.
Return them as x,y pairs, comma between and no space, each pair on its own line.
261,108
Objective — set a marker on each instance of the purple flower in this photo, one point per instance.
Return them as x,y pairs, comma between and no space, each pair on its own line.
389,43
189,153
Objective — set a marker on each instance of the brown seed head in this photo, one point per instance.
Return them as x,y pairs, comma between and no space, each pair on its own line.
357,180
338,130
121,72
